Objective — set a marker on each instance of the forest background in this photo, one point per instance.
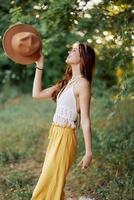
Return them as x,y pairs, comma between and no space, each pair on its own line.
107,26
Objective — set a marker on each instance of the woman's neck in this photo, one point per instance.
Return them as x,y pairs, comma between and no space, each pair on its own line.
76,75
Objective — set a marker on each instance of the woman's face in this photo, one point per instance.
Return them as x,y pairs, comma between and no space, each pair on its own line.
73,55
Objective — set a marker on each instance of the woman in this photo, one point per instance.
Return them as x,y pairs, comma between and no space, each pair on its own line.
73,100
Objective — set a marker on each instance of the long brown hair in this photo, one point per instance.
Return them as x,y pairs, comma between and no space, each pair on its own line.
87,68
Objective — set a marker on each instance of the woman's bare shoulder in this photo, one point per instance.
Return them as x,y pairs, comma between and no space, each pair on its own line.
83,82
82,85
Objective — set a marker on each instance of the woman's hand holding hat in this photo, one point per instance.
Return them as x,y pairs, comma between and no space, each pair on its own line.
40,61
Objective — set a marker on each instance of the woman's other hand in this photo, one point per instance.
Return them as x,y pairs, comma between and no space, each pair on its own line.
85,161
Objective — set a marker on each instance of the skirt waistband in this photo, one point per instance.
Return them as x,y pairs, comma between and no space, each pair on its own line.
65,126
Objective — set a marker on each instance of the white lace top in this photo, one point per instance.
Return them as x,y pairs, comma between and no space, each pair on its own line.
66,111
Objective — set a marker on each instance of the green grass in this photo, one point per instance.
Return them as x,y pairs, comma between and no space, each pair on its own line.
24,128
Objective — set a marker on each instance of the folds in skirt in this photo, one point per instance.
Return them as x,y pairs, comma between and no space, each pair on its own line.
60,154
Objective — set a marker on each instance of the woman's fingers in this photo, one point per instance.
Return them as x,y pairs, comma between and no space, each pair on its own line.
84,163
40,60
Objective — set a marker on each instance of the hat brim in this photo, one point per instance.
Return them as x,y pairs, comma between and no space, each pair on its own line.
13,55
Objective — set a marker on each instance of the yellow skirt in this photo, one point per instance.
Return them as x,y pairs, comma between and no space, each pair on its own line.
60,154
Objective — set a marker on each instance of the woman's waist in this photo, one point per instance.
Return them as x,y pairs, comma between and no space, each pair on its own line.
65,126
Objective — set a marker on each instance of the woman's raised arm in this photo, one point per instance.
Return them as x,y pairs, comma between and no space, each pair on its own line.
38,92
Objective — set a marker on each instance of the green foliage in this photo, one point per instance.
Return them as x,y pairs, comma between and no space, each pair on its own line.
108,26
116,153
126,83
24,139
111,173
18,182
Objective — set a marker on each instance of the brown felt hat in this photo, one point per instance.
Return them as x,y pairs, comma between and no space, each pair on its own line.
22,43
